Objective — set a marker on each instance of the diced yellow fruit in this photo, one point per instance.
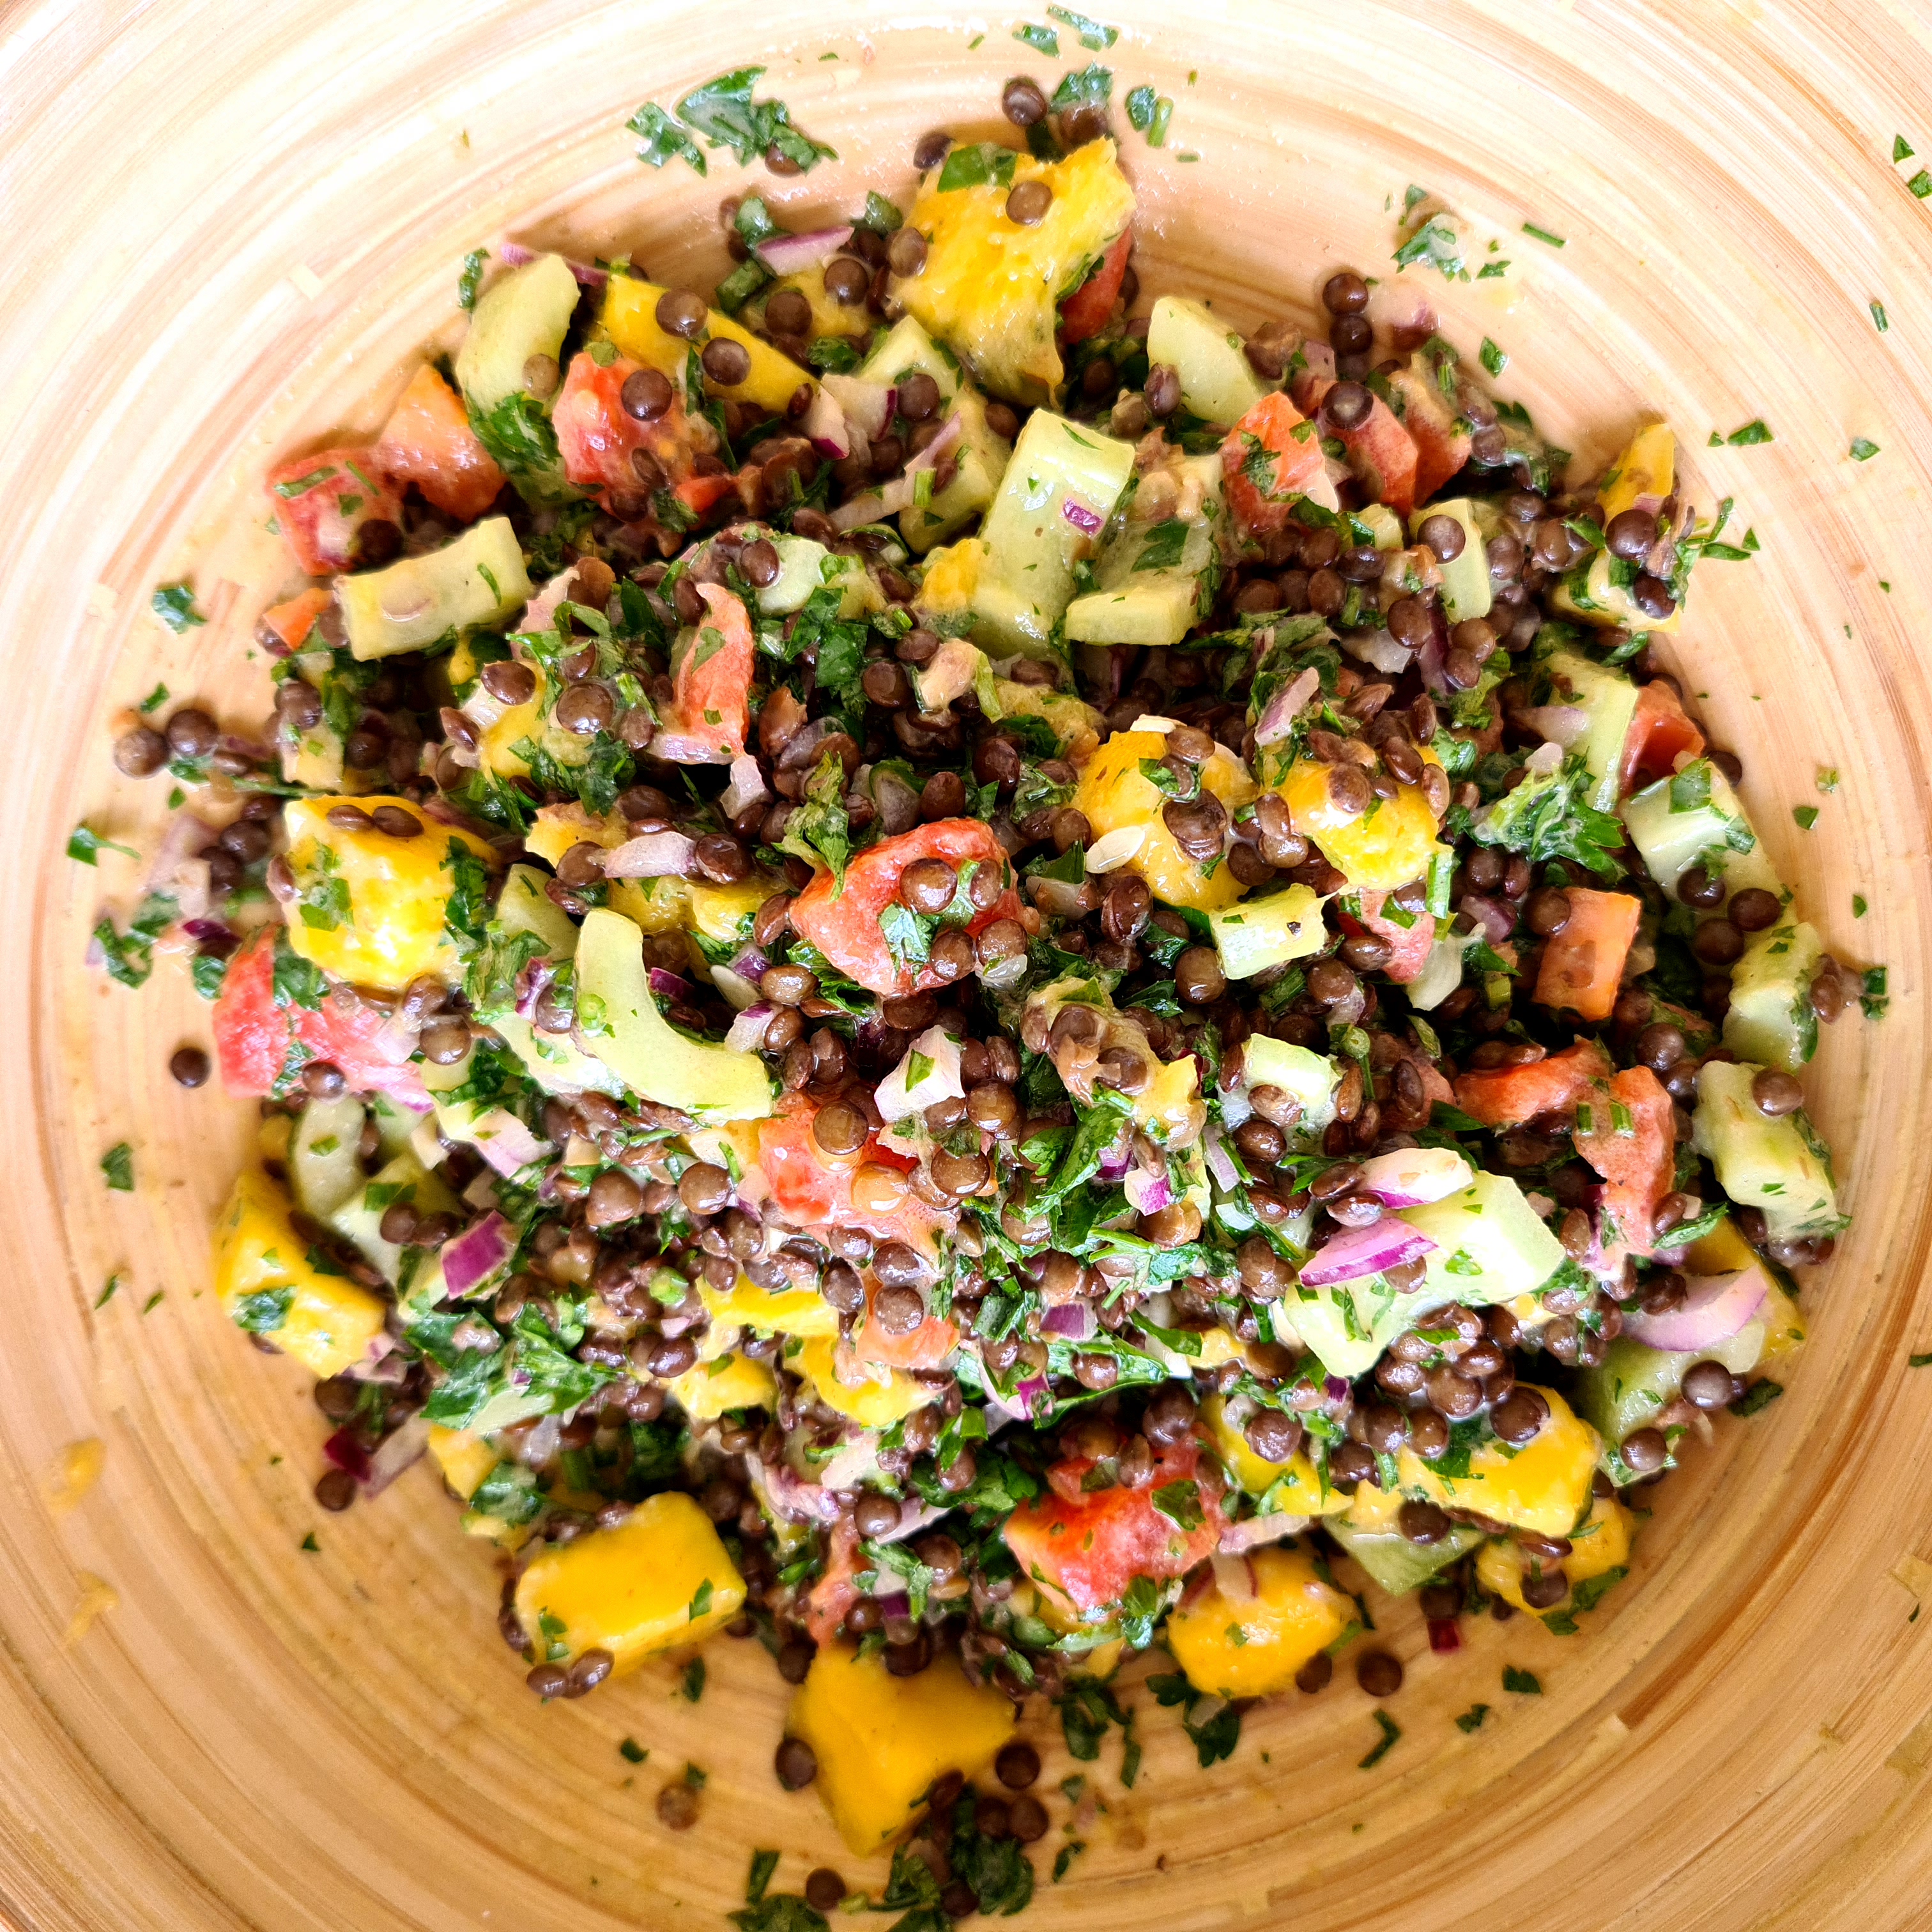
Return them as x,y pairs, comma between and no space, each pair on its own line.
1723,1251
728,1382
464,1457
872,1405
1387,846
990,285
882,1740
773,1311
659,1580
1078,726
1302,1494
398,889
830,316
630,320
1784,1326
1543,1486
1604,602
328,1322
273,1136
519,722
556,828
1169,1105
952,577
1647,468
656,905
725,913
1603,1544
1114,794
1264,1616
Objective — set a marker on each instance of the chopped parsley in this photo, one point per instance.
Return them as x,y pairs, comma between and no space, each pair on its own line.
1863,449
87,845
174,604
1523,1683
723,112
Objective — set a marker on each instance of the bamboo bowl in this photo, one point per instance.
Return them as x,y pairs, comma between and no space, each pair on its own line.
230,226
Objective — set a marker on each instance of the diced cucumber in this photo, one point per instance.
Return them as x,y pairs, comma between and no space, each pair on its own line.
1442,972
524,313
1770,1018
1694,818
1218,383
907,349
1384,525
324,1165
978,460
359,1218
1347,1327
1777,1164
1467,592
1625,1391
1253,934
523,906
714,1084
1609,697
1396,1564
479,578
1031,546
801,571
1310,1078
1489,1244
1155,575
553,1061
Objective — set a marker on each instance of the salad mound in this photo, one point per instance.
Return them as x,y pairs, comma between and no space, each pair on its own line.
972,975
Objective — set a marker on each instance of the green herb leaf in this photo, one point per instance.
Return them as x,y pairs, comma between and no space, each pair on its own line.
1180,1504
1863,449
1093,37
1920,184
664,140
154,700
1471,1719
1879,317
1390,1732
174,604
1521,1682
764,1864
1087,86
118,1164
1805,816
632,1752
87,846
1494,360
471,278
1537,234
1042,40
1754,431
1901,148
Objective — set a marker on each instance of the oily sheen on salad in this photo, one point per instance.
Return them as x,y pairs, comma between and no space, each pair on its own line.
967,973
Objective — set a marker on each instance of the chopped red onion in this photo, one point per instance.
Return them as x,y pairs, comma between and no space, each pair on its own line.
1033,1397
652,855
1149,1191
505,1142
1072,1321
476,1254
1239,1538
747,1030
514,255
1444,1636
1563,724
397,1038
1081,517
1227,1176
675,748
825,425
900,1095
1356,1252
1285,705
669,984
533,980
1713,1311
344,1450
874,506
950,431
1401,309
751,963
1413,1176
792,254
747,787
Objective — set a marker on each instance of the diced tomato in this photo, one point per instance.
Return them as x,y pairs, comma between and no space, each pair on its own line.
1583,964
1659,733
599,440
1410,943
1085,311
1632,1143
1273,427
427,441
256,1038
290,623
844,925
1506,1097
835,1593
711,682
927,1347
1441,448
322,503
1089,1547
1381,453
813,1188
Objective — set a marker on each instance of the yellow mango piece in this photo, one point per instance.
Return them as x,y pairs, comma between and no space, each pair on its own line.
1114,794
727,1382
872,1405
630,320
327,1321
830,316
1078,726
1301,1495
1603,1544
655,905
556,828
1169,1105
660,1580
881,1741
519,722
1389,845
1543,1487
725,912
952,577
1647,467
1723,1251
1265,1616
990,285
464,1457
388,928
773,1311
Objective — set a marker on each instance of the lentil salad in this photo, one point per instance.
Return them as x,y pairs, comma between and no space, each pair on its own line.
975,977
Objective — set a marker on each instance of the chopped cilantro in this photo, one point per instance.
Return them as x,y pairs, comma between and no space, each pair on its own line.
1494,360
1521,1682
1863,449
118,1164
1390,1732
174,604
87,846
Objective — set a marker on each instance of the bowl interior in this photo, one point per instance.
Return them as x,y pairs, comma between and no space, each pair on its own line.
253,1733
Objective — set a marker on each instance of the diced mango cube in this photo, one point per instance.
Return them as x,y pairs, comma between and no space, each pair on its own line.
464,1457
1723,1251
727,1381
631,321
725,912
371,907
1301,1495
881,1741
1387,846
1114,793
1542,1486
773,1311
952,577
1601,1545
871,1404
269,1284
497,740
1646,469
656,905
1264,1616
659,1581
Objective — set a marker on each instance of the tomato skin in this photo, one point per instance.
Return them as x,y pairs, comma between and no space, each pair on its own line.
1084,312
1381,454
1272,423
845,925
813,1188
597,437
1660,731
1583,964
1506,1097
1410,943
835,1593
1089,1547
927,1347
711,681
1638,1167
323,522
427,441
253,1035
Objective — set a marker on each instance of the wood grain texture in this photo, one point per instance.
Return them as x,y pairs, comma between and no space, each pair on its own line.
230,226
